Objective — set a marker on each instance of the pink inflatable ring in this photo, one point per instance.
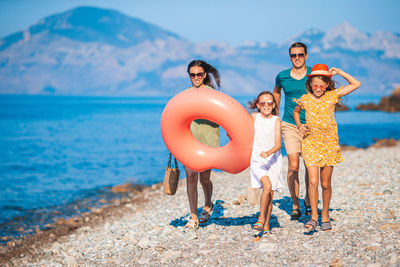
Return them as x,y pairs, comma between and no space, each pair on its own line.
215,106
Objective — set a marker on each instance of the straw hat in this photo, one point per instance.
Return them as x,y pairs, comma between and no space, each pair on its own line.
320,70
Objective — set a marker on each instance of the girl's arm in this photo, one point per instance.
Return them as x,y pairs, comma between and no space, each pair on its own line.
296,114
277,145
353,82
253,115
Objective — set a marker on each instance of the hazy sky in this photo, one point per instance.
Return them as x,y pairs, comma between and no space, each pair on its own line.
230,21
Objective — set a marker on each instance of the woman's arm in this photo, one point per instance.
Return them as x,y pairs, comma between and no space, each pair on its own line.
277,145
353,82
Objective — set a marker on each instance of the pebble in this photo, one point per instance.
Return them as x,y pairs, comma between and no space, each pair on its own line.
366,225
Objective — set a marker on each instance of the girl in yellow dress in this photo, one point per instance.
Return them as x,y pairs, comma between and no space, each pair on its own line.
320,144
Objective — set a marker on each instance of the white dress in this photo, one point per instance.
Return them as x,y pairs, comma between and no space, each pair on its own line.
264,139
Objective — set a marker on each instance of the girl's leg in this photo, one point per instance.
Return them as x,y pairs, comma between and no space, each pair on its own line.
326,178
207,188
306,180
313,180
191,180
269,211
265,199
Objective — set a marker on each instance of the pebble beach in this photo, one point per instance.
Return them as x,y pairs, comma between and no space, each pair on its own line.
365,214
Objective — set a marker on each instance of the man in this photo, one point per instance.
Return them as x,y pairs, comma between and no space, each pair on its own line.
293,81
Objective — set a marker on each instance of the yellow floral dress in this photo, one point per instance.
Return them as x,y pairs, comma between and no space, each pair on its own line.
320,146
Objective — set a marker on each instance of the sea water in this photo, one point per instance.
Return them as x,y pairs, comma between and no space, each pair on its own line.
57,150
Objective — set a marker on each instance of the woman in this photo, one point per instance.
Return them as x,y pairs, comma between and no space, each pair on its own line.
206,132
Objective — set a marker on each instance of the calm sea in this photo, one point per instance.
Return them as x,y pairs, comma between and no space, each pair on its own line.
58,151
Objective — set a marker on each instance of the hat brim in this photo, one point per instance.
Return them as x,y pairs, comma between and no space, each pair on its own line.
319,73
326,75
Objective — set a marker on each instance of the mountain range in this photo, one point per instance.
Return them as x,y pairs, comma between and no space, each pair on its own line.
102,52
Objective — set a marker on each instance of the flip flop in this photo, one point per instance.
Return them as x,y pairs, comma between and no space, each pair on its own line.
311,225
258,226
296,213
325,226
266,232
192,224
205,215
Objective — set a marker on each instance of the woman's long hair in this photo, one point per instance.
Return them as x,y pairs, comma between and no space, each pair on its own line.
252,105
211,73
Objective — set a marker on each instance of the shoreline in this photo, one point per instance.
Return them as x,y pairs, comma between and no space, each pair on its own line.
137,201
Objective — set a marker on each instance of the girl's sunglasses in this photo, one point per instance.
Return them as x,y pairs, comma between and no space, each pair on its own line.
198,75
297,55
322,87
268,103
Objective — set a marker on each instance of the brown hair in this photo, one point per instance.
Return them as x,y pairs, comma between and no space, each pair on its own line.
298,44
252,105
327,80
209,70
331,86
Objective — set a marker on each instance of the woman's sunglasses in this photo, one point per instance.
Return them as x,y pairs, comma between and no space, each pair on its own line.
198,75
297,55
269,103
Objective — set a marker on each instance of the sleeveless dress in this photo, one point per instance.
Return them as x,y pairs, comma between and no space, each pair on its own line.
264,139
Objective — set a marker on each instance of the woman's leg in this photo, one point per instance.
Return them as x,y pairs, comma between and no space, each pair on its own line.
313,180
265,199
191,180
207,188
326,178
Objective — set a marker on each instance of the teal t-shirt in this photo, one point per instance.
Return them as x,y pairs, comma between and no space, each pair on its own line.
293,89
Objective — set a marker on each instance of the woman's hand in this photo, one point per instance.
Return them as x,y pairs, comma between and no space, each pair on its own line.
303,129
264,154
333,71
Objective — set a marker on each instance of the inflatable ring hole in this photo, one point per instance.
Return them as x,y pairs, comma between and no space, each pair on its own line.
224,137
209,133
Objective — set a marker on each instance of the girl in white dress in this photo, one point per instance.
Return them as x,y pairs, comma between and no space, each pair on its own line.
266,158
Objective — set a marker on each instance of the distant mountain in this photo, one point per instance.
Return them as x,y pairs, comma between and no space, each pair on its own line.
93,51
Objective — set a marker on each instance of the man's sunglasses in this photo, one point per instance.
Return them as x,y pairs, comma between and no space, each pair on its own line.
297,55
198,75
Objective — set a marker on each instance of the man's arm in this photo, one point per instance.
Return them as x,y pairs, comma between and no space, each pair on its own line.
277,96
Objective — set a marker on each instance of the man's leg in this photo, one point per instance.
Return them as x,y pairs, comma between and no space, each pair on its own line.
293,179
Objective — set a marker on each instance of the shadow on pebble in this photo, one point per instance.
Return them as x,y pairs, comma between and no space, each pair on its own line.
219,219
286,205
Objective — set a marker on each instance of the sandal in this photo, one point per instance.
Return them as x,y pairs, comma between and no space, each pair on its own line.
311,225
325,226
205,215
266,232
192,224
258,226
296,213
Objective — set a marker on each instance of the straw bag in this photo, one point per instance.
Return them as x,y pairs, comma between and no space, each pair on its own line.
171,177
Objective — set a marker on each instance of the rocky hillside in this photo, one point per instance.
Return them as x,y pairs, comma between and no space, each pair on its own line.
93,51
